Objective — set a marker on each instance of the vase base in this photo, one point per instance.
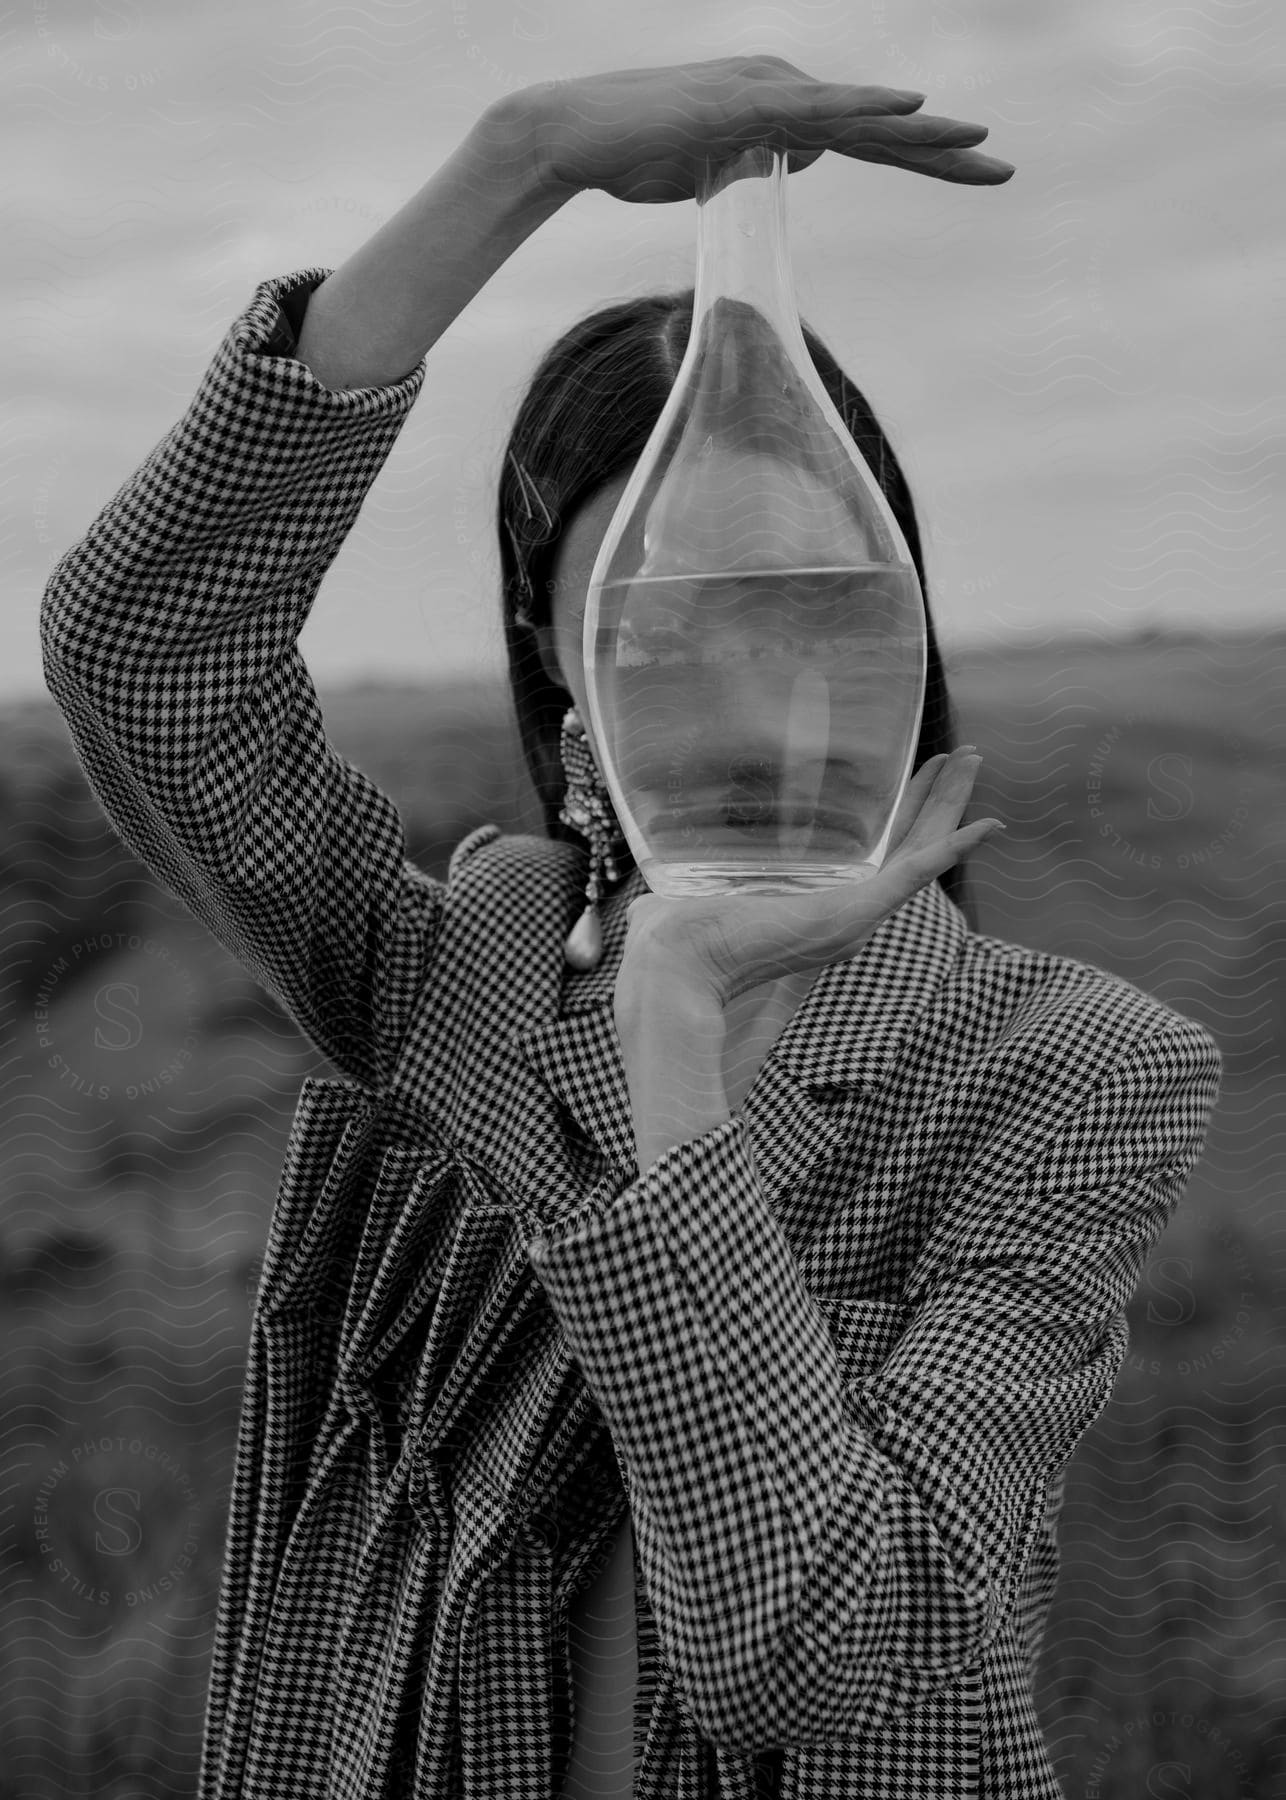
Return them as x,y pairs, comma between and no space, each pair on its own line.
679,879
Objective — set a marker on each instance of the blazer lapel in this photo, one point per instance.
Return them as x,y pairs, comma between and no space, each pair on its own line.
578,1054
842,1039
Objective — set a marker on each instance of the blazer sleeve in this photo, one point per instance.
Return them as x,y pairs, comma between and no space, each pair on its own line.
820,1556
169,640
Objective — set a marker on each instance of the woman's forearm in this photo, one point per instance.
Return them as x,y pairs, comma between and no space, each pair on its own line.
371,321
672,1053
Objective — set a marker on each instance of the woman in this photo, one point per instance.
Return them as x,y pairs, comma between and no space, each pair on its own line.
740,1292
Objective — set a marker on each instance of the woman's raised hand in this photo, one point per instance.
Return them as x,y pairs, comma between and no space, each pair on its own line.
642,134
715,948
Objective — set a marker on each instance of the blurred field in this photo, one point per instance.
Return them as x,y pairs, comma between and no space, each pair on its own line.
149,1088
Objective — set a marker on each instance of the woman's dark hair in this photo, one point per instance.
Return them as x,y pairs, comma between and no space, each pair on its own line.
587,414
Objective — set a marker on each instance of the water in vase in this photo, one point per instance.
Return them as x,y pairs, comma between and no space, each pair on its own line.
761,725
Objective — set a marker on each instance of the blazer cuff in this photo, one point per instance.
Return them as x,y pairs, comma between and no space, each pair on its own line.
292,304
270,327
685,1309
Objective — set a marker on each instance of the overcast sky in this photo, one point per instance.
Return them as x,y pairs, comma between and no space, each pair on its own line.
1082,370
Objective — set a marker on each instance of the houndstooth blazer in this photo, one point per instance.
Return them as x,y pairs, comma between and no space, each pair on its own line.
833,1354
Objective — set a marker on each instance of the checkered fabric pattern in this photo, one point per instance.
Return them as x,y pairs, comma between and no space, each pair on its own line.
833,1355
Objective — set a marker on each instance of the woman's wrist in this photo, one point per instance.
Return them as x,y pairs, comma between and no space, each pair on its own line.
671,1037
538,117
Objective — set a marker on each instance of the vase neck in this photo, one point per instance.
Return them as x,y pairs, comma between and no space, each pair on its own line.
742,244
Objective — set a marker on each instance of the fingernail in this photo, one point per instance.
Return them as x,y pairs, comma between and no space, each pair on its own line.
994,825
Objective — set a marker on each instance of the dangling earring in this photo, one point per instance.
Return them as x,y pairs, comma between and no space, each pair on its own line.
587,808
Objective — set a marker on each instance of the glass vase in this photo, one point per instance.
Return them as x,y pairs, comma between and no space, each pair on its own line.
754,638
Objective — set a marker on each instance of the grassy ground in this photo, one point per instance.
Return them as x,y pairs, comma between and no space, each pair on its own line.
149,1086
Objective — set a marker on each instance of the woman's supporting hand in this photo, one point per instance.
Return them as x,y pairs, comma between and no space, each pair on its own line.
642,135
685,959
720,945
